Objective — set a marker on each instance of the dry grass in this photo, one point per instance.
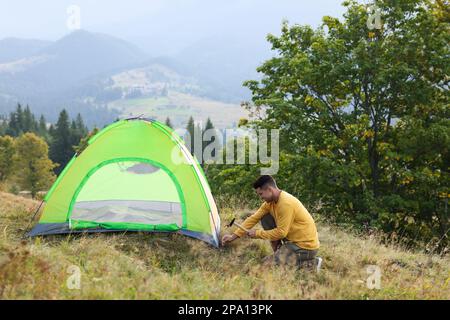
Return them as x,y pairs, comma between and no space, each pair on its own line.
170,266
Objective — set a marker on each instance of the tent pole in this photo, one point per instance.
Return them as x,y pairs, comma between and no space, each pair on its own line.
34,216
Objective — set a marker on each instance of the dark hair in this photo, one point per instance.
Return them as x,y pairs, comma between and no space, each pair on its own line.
264,181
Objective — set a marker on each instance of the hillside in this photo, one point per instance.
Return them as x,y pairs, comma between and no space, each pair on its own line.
150,266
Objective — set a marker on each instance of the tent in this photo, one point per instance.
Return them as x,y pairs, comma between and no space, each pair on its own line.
134,175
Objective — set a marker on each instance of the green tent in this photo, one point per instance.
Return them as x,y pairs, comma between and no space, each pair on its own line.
134,175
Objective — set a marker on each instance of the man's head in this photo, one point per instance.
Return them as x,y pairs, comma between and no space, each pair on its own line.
266,187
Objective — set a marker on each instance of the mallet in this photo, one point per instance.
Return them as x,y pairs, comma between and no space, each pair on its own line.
237,224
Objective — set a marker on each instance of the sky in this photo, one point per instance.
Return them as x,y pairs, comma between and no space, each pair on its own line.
179,22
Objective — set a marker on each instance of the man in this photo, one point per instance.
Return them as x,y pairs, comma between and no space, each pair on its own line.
286,223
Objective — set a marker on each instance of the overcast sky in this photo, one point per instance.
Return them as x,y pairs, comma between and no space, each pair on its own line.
180,21
46,19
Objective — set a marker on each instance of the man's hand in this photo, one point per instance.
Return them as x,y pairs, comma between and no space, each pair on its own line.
251,233
228,238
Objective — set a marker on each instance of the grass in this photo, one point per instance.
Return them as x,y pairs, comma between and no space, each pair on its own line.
171,266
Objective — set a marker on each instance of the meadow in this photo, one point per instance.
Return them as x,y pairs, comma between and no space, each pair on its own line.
172,266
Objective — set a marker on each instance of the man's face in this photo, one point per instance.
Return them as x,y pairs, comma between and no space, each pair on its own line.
265,193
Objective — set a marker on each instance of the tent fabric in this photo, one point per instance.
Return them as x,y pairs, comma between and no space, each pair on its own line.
134,175
63,228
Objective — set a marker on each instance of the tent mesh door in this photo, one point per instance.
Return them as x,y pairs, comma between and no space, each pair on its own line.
129,192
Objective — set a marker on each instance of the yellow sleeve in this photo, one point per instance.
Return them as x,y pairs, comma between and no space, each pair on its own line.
284,220
253,219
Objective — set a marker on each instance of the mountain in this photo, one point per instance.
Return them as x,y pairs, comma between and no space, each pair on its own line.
103,78
68,61
12,49
82,54
222,63
46,76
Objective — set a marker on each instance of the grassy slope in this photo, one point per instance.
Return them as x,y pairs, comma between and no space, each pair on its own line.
149,266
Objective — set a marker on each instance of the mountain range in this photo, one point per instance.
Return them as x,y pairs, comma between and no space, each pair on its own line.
104,78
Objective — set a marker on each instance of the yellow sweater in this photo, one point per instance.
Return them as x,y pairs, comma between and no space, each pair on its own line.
292,219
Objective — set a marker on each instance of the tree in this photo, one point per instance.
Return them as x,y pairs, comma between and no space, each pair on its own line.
348,99
42,127
21,121
34,168
190,127
15,125
81,127
61,150
75,134
209,126
6,157
194,138
29,122
84,141
3,125
168,123
197,146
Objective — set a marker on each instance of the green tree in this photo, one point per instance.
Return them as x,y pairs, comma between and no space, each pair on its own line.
209,126
6,157
21,121
61,150
29,122
190,127
197,147
348,100
81,127
51,130
75,134
194,138
3,125
42,127
84,141
34,168
77,130
168,123
16,120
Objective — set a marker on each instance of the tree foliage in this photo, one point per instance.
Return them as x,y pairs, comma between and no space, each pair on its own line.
65,136
34,170
168,123
364,116
6,157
